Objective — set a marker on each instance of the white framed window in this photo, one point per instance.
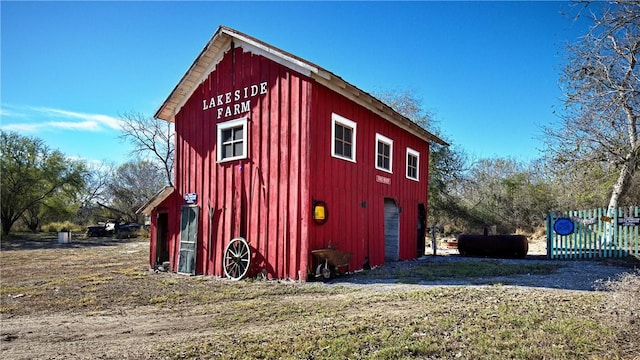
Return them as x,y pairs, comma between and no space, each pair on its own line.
413,164
232,140
343,138
384,153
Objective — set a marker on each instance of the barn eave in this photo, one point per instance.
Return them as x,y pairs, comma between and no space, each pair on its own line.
156,200
223,39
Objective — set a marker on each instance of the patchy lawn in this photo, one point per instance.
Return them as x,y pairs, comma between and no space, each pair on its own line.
96,298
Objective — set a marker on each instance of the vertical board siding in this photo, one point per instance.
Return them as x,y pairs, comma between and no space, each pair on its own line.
258,198
354,198
589,239
267,197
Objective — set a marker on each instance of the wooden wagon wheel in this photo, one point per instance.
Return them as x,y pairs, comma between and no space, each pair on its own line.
237,258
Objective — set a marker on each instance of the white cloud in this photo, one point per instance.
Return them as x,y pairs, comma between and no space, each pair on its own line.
68,125
7,111
109,121
26,119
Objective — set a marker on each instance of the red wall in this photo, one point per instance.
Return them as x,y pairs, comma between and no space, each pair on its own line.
353,226
260,198
169,205
266,198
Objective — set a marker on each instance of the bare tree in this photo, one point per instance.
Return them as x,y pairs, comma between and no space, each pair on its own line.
130,186
510,194
95,191
602,87
446,163
152,140
408,104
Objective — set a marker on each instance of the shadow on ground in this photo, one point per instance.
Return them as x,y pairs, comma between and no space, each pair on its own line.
50,241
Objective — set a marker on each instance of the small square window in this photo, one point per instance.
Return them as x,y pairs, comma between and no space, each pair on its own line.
384,153
413,161
232,142
343,135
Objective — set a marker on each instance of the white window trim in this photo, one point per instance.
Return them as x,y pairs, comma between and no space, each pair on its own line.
383,139
412,152
337,119
231,124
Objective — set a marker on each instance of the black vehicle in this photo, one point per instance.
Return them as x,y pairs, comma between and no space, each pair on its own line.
102,229
112,227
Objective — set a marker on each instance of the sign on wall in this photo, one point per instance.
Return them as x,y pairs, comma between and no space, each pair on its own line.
383,180
190,198
629,221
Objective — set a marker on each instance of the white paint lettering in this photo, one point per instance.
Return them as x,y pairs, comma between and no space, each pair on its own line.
246,106
235,102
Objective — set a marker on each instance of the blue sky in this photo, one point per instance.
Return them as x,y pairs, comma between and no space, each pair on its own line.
487,70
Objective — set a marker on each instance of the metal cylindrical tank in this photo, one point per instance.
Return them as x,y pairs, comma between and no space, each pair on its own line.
515,246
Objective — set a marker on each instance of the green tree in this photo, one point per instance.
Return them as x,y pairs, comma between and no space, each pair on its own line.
60,206
32,174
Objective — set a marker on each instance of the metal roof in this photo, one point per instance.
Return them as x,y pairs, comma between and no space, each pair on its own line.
214,50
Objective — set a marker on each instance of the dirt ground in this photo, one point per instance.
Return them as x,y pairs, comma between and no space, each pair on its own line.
76,301
54,329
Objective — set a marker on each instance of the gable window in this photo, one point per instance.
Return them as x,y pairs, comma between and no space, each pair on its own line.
413,159
384,153
232,140
343,135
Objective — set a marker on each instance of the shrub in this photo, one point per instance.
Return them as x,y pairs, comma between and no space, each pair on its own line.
62,226
144,232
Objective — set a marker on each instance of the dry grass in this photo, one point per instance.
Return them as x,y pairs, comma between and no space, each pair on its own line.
493,322
214,318
459,270
623,309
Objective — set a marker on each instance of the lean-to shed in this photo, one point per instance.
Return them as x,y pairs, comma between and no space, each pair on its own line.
288,156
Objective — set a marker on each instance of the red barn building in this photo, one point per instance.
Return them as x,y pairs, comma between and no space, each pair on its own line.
280,152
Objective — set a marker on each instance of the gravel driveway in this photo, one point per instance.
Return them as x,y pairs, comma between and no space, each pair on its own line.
581,275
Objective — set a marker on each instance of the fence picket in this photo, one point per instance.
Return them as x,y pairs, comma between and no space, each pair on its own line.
636,236
588,239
